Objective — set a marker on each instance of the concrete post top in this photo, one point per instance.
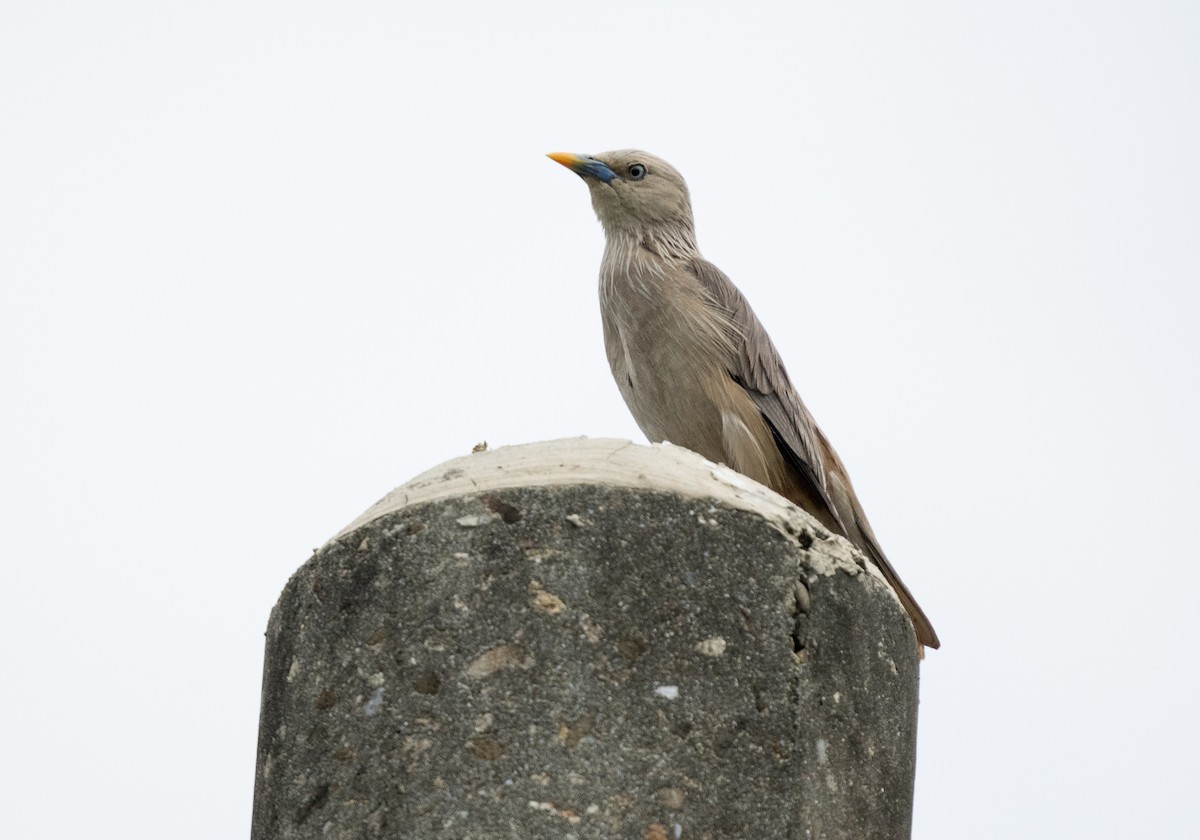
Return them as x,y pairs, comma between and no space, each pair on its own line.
616,463
586,638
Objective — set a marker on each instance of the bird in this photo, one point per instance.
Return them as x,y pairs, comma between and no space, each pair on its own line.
696,366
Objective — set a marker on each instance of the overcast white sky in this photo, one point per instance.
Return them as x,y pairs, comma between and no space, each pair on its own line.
261,262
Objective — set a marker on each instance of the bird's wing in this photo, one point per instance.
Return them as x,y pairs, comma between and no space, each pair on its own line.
755,365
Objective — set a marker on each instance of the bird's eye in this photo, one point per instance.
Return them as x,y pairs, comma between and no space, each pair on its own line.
637,172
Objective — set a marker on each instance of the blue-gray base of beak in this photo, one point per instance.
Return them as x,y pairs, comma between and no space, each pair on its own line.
592,168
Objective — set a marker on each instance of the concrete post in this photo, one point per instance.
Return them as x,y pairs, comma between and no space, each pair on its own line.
586,639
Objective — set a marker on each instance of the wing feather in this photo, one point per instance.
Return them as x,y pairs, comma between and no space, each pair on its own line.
755,365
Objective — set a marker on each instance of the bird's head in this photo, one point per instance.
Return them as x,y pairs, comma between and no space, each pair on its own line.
633,192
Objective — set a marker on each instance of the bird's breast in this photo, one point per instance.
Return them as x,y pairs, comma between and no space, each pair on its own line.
669,352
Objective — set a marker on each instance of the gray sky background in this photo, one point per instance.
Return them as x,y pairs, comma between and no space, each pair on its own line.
261,262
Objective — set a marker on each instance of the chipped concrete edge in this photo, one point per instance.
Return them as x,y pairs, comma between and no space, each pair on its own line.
617,463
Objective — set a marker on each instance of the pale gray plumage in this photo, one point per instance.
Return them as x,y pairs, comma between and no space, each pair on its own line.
692,360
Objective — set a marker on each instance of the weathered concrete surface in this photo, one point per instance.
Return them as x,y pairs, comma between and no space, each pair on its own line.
622,641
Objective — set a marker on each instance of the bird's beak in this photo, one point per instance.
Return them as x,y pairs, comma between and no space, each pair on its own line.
584,167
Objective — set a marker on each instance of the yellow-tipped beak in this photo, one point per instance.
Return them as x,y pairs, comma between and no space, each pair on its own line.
584,167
